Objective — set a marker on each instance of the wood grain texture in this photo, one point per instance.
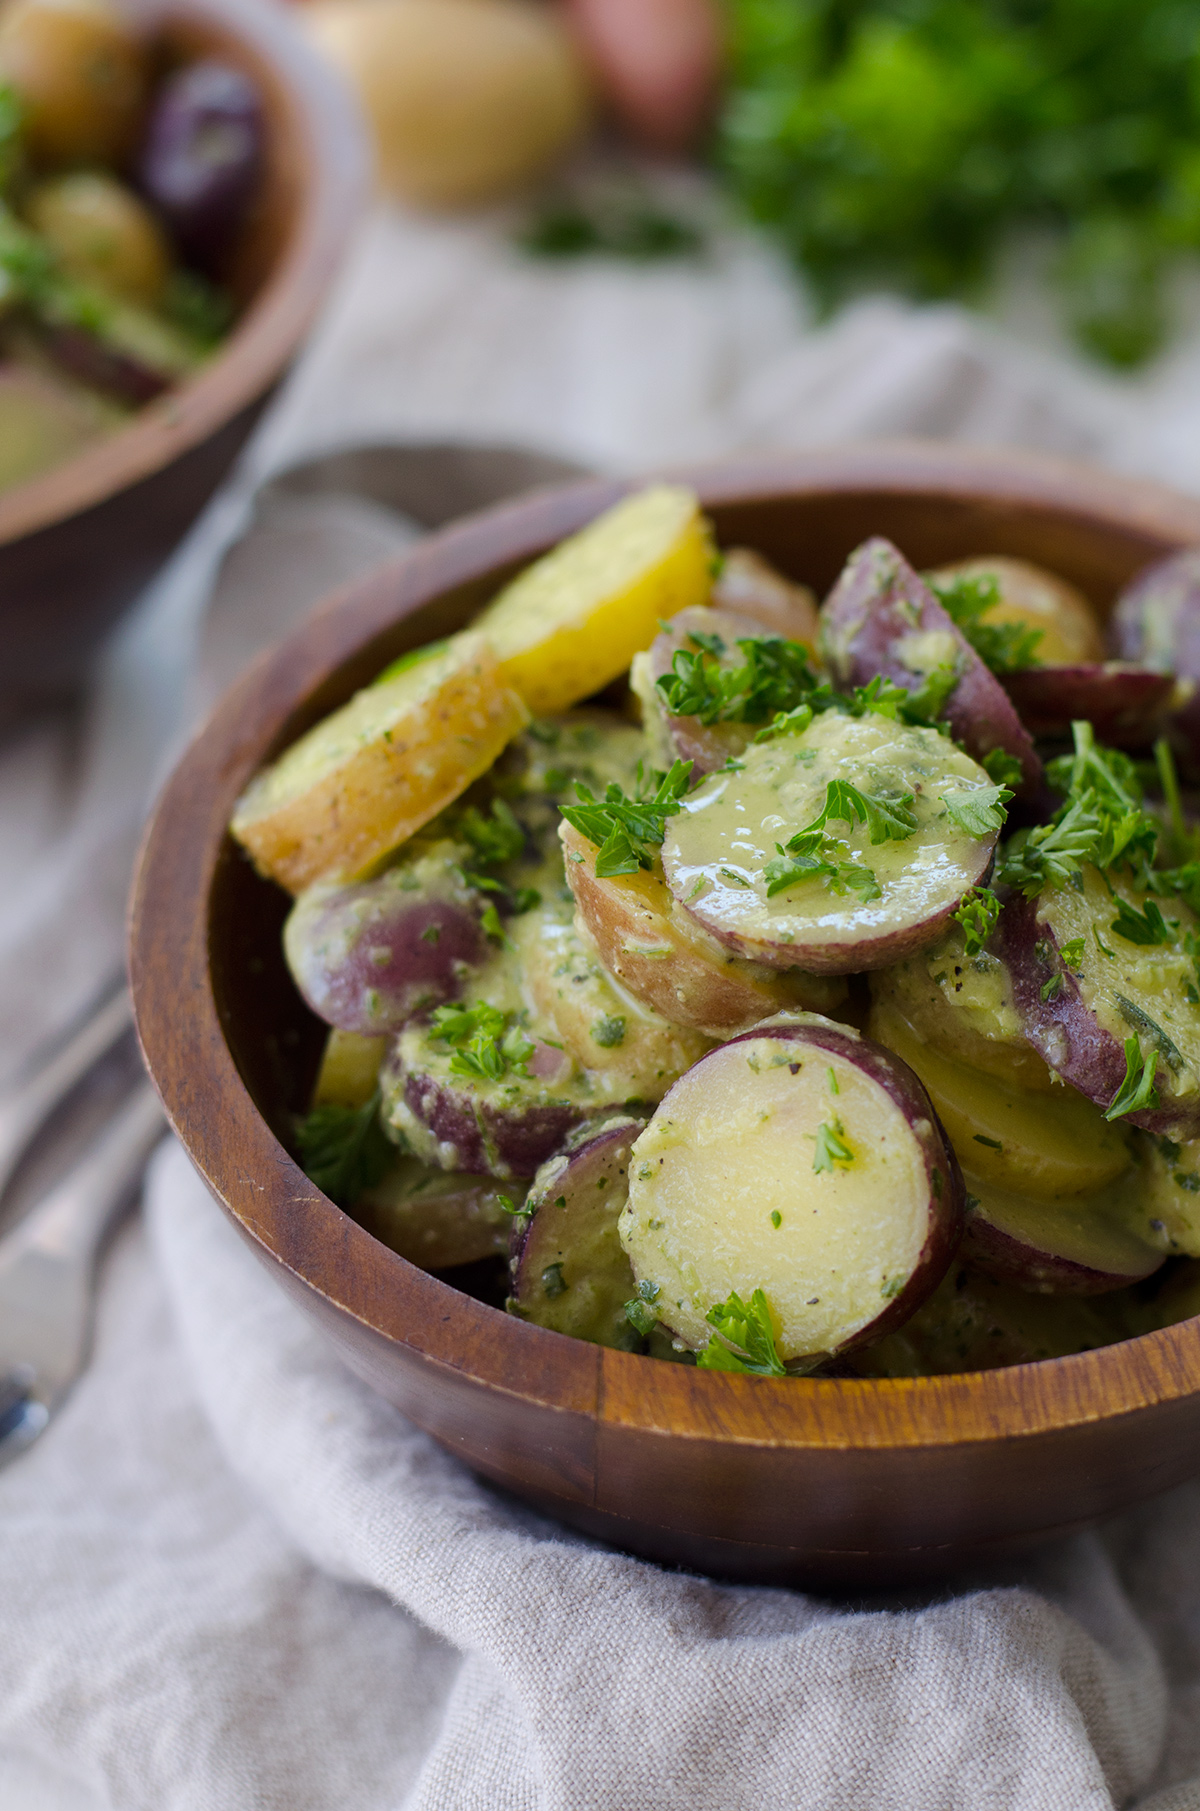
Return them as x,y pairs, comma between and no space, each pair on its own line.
834,1483
78,542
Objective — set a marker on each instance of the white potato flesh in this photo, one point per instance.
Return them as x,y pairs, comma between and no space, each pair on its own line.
724,1195
719,844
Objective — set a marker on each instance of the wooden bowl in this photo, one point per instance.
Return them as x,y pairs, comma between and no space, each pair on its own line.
830,1483
79,541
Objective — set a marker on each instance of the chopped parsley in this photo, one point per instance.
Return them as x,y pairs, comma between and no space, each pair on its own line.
773,677
980,812
344,1150
813,854
1137,1092
743,1338
831,1147
1147,927
641,1313
1072,953
486,1046
977,912
608,1031
627,829
1004,647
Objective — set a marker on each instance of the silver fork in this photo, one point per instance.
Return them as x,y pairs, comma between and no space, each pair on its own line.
48,1259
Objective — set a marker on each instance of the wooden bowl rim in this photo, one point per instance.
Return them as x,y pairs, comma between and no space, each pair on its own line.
211,1110
325,138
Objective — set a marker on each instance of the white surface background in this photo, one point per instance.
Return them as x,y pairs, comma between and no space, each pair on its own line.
229,1578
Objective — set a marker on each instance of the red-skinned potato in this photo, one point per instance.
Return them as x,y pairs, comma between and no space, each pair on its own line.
882,618
662,956
1079,1012
368,955
658,61
569,1272
435,1218
1088,1245
803,1160
750,586
720,853
1035,599
1125,705
706,745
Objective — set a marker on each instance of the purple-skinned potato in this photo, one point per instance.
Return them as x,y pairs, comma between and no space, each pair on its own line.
706,745
881,618
202,156
368,955
1082,1245
1126,705
804,1160
1157,623
436,1218
569,1272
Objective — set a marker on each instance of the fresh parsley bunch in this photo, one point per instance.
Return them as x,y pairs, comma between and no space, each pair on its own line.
902,141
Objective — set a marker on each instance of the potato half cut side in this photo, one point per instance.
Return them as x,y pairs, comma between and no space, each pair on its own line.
1084,990
721,849
803,1160
1088,1245
882,618
1032,598
1049,1144
574,620
365,779
569,1272
964,1007
665,959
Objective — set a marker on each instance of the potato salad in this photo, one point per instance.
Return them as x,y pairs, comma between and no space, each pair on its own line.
776,989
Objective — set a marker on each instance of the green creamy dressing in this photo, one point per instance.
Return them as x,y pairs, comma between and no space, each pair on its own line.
543,955
718,846
1146,991
594,747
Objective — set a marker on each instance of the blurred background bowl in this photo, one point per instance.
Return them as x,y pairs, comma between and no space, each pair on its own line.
834,1482
79,541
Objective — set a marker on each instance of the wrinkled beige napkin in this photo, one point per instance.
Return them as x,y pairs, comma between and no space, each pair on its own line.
230,1578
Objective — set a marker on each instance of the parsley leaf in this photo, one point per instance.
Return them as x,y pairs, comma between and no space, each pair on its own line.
774,676
1137,1091
980,812
1002,768
344,1150
743,1338
1004,647
626,829
831,1147
1051,853
977,912
886,819
496,839
1147,927
1072,953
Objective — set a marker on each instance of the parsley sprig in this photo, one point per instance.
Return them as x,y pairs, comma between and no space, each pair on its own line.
773,676
1004,647
344,1150
1137,1092
980,812
486,1044
978,913
743,1338
813,853
831,1148
627,829
1101,821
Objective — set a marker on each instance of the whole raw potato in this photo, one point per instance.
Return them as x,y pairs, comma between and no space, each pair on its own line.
467,98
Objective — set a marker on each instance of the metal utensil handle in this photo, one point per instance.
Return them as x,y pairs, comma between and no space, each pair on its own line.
69,1223
22,1111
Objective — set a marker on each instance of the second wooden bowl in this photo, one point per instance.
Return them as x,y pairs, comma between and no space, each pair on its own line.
78,542
820,1482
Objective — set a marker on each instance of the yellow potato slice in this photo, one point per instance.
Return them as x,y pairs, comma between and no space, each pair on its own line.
349,1072
368,777
1049,1146
574,620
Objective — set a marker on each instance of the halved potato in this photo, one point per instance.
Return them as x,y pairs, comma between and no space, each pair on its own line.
719,853
436,1218
1079,1013
349,1072
964,1007
1086,1245
663,957
803,1160
369,776
574,620
1048,1145
1035,599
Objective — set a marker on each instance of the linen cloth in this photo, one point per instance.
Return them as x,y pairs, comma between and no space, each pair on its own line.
231,1577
